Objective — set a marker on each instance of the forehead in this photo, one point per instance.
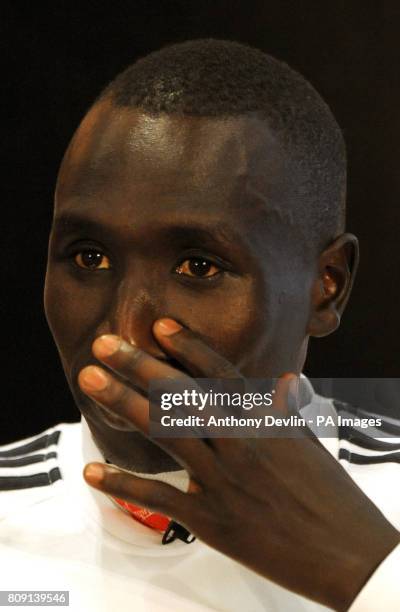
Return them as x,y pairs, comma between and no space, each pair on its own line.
118,151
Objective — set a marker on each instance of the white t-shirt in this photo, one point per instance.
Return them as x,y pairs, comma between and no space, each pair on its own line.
59,534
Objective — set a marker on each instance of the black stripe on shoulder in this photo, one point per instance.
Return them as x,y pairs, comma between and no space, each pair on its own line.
28,460
43,441
365,441
389,427
368,459
12,483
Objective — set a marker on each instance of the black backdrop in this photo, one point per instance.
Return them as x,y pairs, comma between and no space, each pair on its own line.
60,54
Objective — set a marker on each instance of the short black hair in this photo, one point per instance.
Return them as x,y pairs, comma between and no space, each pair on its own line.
217,78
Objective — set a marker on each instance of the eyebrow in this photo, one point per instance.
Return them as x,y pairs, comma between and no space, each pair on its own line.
73,222
212,233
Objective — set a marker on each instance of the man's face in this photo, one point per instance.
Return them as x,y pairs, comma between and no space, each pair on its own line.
180,217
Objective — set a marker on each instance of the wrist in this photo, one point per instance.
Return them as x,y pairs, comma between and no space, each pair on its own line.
358,566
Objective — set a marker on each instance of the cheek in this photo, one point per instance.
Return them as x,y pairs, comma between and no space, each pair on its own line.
229,319
72,313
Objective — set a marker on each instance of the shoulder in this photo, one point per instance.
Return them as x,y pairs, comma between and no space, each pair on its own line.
371,455
366,438
31,468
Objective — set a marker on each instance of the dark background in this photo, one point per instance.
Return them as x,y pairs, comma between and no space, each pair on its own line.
58,57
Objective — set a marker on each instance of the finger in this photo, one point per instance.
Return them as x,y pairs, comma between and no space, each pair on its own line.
194,354
114,421
192,453
137,366
130,362
151,494
114,395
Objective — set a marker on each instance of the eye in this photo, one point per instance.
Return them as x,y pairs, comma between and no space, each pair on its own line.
92,259
197,267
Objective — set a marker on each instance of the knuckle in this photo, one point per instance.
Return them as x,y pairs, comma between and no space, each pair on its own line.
160,497
115,483
118,400
135,358
224,369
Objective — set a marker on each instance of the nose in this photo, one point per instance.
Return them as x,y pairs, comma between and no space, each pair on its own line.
132,313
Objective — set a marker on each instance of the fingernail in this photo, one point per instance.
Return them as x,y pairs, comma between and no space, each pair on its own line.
93,379
168,327
106,345
94,473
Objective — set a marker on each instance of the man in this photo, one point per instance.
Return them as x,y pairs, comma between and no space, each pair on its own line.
198,231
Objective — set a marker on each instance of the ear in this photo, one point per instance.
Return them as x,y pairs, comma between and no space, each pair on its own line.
337,266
